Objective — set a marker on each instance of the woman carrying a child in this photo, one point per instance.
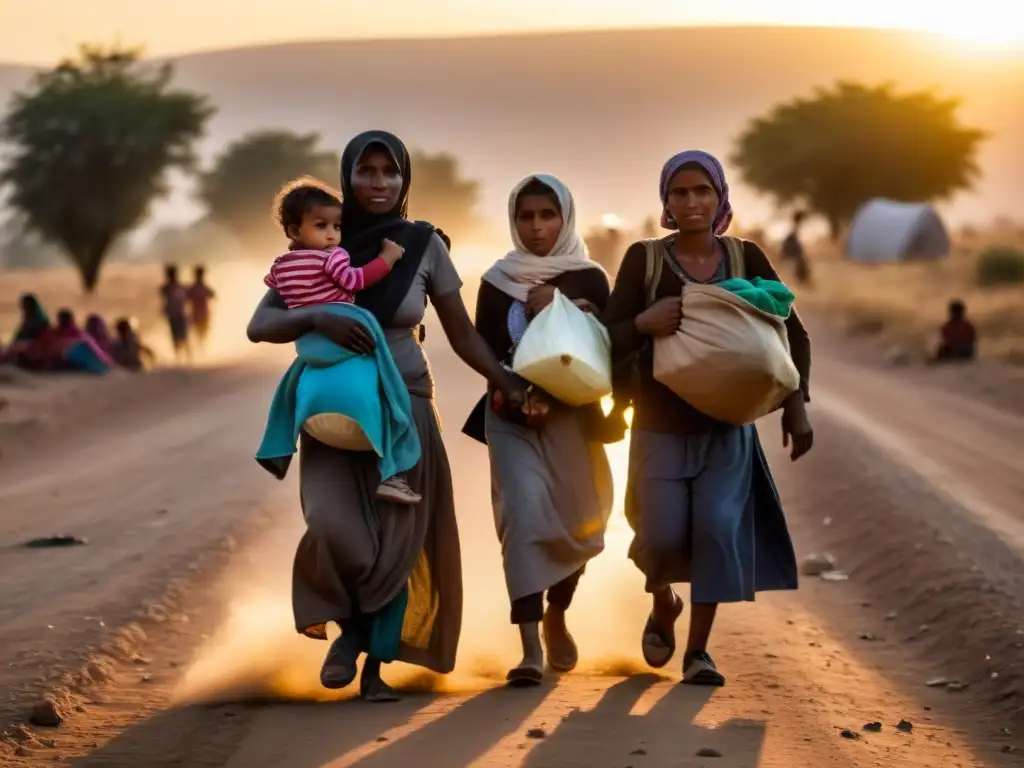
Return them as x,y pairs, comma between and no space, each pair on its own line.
550,478
388,574
700,498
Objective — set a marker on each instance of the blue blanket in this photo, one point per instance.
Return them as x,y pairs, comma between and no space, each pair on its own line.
327,378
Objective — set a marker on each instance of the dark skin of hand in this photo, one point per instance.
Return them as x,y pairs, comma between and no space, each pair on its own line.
663,317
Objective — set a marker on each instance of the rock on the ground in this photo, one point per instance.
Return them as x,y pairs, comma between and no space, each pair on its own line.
818,563
45,713
848,733
905,725
875,727
708,752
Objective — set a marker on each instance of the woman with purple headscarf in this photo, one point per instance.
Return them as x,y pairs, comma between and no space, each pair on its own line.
700,498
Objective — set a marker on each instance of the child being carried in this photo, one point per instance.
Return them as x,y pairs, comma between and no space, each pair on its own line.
316,271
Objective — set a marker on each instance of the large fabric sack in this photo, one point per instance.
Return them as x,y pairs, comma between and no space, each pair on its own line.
729,359
319,411
567,353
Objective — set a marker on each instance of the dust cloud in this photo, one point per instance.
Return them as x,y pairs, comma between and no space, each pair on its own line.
257,655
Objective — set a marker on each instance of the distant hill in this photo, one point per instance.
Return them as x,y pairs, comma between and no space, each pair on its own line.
601,109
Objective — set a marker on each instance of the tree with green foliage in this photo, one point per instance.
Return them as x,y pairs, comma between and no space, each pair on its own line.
91,142
836,150
240,188
441,195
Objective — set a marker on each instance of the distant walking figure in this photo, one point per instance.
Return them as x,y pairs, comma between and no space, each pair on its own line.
175,308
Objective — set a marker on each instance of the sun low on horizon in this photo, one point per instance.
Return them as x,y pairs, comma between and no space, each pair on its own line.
43,31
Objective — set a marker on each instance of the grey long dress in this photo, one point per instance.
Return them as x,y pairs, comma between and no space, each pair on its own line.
359,552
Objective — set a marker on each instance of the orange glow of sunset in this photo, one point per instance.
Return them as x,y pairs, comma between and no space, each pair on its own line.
43,30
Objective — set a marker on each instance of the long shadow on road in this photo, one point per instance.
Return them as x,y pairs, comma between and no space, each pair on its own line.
664,736
442,731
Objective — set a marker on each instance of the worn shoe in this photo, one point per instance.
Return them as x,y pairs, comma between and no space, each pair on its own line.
699,669
396,490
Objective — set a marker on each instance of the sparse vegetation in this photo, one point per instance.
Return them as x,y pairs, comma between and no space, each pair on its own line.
1000,265
905,303
91,142
843,146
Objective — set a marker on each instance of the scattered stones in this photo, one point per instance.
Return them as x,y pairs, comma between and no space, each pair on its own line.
536,733
868,637
46,714
708,752
891,616
817,564
49,542
382,739
140,661
639,751
23,752
955,686
937,682
875,727
1009,749
846,733
905,726
835,576
48,743
146,679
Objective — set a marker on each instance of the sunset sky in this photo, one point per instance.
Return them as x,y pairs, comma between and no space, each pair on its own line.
40,31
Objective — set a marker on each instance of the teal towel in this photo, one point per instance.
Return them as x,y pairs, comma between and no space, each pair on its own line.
327,378
769,296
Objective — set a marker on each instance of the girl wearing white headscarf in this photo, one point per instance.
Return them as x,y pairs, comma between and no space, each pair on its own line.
551,485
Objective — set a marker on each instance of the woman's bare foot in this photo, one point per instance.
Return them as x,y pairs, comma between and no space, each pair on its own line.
530,670
563,655
372,688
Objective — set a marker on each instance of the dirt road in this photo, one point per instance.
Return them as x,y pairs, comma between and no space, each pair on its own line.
915,489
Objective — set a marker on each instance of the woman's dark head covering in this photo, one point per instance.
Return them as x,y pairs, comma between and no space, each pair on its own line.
362,231
33,318
354,218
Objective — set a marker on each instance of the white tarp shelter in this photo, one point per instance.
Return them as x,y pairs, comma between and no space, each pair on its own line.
887,231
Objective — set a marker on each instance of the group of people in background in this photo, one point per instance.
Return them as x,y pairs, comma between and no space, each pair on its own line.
41,345
186,309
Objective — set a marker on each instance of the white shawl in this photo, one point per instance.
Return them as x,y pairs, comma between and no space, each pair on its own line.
519,270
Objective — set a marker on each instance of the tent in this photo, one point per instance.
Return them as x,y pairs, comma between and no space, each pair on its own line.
887,231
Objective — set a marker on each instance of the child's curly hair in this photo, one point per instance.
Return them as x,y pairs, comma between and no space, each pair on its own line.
298,197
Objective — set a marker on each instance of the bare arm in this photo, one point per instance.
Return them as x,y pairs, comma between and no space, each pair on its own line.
467,343
273,322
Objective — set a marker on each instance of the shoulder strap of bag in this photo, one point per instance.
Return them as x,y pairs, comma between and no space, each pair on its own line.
652,273
737,259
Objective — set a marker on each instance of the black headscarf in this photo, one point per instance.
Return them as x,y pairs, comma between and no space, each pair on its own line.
362,231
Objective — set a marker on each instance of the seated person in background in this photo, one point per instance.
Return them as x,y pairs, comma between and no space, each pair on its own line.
96,327
80,350
958,338
128,351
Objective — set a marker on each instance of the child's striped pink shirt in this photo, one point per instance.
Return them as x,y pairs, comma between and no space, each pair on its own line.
304,278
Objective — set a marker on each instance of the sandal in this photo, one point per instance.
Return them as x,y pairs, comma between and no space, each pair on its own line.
525,677
373,689
659,646
339,668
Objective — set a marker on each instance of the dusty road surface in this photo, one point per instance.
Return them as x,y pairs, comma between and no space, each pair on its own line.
166,640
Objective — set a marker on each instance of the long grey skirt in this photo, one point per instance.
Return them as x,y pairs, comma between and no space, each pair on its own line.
358,552
551,491
704,510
